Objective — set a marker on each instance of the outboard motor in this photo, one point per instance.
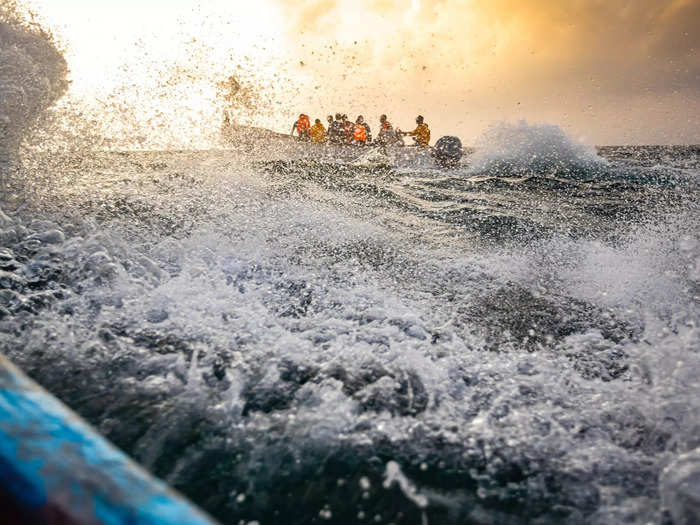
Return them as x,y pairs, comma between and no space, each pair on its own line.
447,151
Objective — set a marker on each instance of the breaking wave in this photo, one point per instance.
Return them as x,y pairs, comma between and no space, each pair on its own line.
512,150
324,341
32,77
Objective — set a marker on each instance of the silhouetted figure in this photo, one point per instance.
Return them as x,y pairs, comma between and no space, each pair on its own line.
336,130
386,136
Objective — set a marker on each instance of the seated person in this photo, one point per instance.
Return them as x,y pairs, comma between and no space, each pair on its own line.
336,130
302,127
421,135
360,132
387,135
318,132
349,128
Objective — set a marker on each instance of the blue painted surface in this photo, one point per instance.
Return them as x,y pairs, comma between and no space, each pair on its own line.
48,456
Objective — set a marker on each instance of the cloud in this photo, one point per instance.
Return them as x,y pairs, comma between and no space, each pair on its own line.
638,45
577,61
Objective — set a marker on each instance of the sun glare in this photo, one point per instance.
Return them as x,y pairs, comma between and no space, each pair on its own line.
103,40
163,58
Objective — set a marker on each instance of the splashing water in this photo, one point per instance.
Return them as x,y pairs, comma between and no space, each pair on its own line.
523,149
32,77
351,342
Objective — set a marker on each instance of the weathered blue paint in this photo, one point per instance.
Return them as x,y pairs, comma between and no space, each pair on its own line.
51,458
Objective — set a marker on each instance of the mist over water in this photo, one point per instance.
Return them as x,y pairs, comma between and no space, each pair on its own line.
521,149
332,337
32,78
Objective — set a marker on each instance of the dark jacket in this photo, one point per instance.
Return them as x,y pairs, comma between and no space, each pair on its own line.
336,132
368,131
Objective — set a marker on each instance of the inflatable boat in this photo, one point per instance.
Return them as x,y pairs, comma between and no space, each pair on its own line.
55,469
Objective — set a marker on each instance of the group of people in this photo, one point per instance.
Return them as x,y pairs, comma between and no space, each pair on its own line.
343,131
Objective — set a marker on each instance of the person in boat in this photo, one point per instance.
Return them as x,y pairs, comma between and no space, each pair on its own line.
318,132
302,127
336,130
349,129
421,135
360,132
386,136
368,131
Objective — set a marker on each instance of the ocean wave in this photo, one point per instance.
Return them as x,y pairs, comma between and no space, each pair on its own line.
508,150
33,75
285,337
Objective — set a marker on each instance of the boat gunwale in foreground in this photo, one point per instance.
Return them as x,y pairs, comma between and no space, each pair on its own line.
55,469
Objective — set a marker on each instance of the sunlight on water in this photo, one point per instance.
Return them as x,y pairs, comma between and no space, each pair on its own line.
362,337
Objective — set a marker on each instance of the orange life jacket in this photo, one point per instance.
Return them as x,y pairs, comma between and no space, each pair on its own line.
303,124
359,133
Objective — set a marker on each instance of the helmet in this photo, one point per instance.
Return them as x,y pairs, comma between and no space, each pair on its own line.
419,119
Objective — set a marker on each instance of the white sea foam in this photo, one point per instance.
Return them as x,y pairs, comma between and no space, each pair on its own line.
32,77
214,295
267,276
522,148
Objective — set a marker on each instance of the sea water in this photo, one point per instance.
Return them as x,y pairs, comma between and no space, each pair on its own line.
292,334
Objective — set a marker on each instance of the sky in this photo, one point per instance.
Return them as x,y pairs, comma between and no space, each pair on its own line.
607,72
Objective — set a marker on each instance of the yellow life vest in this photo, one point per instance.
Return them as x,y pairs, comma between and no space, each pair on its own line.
318,133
